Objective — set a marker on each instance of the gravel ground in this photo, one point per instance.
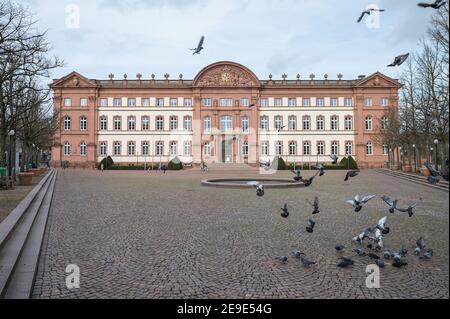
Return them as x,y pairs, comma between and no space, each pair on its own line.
139,235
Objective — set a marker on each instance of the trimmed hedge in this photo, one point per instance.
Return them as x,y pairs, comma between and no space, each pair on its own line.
279,163
349,163
175,165
107,162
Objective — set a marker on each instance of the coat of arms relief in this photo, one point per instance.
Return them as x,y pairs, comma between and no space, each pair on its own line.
226,76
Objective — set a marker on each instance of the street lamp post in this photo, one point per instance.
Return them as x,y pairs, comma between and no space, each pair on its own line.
436,142
400,160
10,170
415,159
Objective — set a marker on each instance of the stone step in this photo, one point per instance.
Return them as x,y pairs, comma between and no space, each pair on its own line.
414,178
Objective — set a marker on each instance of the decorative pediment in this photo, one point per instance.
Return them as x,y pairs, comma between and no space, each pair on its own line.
378,80
73,80
226,74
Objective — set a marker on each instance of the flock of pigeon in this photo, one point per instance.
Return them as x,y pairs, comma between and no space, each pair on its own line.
369,242
399,60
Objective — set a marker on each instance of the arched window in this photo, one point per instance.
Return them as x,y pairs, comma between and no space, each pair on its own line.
292,148
349,148
117,149
103,123
265,148
173,123
159,123
207,149
83,123
335,148
278,122
173,148
145,148
307,123
207,124
334,123
131,123
245,148
384,123
348,123
187,123
320,123
117,123
226,123
67,123
292,123
245,124
131,148
306,148
279,148
103,149
145,123
369,148
264,123
369,123
66,148
83,150
320,148
159,148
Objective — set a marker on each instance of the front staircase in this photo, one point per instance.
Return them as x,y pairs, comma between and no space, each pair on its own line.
231,167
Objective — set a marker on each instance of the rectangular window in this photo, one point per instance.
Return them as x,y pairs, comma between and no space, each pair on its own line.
306,102
146,102
292,102
334,102
173,148
132,102
159,102
173,123
145,123
83,101
348,148
348,123
278,101
131,123
245,102
348,102
67,101
226,102
265,148
245,149
117,149
245,124
103,102
187,123
117,102
384,101
117,123
103,149
103,123
368,101
320,102
306,123
159,148
264,123
187,149
207,149
159,123
145,149
207,124
264,102
131,149
306,148
173,102
207,102
188,102
334,123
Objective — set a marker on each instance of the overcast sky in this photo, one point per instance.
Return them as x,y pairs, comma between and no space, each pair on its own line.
268,36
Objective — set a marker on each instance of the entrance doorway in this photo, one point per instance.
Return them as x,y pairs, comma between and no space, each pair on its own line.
227,151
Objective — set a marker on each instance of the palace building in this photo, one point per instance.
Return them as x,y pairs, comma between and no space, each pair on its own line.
225,115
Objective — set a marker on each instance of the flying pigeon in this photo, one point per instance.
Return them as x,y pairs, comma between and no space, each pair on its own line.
315,205
282,128
379,238
358,202
320,169
334,159
435,5
368,12
381,225
259,188
307,263
282,259
399,60
265,165
339,248
366,234
351,173
392,203
435,175
298,175
199,47
409,210
311,225
308,182
285,213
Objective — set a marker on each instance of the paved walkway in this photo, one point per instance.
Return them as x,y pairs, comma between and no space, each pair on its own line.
136,235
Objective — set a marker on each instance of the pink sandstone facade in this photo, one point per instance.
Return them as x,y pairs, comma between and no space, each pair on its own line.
225,115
